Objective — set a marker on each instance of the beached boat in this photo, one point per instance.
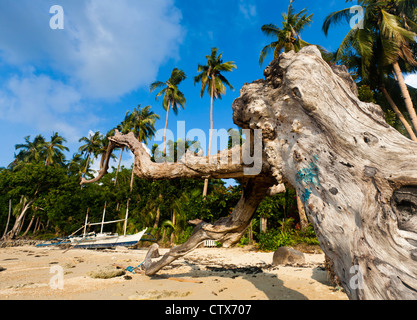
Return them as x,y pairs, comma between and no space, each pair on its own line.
106,240
100,240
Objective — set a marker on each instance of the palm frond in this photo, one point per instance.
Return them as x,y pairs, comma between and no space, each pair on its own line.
270,29
336,18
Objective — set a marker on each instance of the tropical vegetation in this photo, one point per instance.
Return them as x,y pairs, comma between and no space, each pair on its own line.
40,194
212,80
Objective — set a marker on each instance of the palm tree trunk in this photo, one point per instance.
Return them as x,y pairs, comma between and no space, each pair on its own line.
301,213
19,221
251,233
173,230
165,130
30,225
400,115
86,165
8,218
37,224
158,214
132,177
118,167
406,94
210,134
263,223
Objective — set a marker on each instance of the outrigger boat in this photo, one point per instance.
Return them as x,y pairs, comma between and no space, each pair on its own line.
106,240
99,240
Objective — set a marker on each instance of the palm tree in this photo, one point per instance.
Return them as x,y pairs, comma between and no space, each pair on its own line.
288,37
77,164
103,147
91,147
173,97
32,151
142,123
54,149
386,40
214,82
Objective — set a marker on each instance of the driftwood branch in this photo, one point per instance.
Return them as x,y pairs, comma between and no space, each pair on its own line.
356,176
224,165
226,230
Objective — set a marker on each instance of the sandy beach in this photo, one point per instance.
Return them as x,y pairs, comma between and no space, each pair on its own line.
205,274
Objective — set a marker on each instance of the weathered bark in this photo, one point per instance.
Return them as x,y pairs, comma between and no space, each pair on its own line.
356,175
348,166
301,213
218,166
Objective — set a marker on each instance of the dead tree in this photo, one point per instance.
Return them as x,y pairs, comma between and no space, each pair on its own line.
356,176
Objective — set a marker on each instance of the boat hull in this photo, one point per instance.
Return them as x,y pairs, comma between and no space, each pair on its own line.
106,241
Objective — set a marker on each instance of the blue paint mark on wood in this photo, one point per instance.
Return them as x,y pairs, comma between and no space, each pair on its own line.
308,177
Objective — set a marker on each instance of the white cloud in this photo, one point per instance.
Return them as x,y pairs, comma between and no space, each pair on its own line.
107,48
43,103
248,10
411,80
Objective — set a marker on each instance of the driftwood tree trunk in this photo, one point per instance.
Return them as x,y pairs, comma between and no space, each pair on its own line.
356,176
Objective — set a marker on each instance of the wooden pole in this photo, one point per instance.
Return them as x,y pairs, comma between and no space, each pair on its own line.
127,215
85,224
104,214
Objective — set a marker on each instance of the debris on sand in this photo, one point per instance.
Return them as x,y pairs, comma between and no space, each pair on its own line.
106,273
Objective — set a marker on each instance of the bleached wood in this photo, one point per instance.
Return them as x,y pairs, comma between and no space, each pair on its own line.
356,175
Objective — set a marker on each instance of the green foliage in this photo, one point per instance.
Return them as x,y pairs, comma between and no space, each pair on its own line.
285,236
366,94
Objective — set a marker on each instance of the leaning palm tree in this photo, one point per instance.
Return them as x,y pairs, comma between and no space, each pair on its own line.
386,38
54,150
212,80
288,37
173,97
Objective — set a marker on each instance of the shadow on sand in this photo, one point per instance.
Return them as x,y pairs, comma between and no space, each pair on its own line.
261,277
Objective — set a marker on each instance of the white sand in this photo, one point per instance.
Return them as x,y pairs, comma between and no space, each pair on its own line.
204,274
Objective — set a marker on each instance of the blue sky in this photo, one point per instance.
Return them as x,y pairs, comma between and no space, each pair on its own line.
85,77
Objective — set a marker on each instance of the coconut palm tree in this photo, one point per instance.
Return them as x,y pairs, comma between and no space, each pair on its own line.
387,39
141,121
212,80
54,149
104,145
32,151
288,37
142,124
173,97
77,164
91,147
